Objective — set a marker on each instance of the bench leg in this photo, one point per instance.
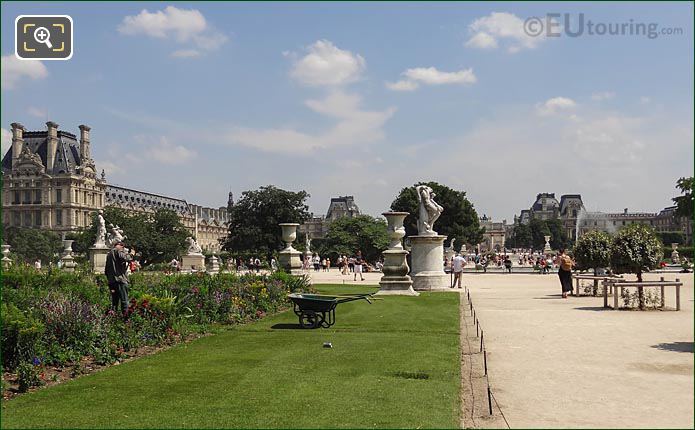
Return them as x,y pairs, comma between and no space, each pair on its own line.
615,298
605,295
678,296
576,281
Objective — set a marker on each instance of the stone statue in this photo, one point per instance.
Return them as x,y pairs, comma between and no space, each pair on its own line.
451,245
100,241
116,235
429,211
308,244
193,247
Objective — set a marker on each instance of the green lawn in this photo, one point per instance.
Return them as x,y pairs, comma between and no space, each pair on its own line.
258,376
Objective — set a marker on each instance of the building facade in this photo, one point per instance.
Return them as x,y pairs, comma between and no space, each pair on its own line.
495,234
339,207
50,182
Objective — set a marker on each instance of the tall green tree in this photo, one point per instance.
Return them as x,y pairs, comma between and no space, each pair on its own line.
459,219
254,219
685,202
520,237
30,244
539,229
347,235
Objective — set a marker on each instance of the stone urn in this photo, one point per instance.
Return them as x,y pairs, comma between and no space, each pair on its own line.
289,258
396,280
289,234
547,244
67,259
396,230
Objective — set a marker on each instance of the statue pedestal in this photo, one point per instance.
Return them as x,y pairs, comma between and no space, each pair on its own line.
396,280
291,261
427,254
97,259
192,262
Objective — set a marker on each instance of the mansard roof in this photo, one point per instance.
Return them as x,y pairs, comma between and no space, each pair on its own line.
67,155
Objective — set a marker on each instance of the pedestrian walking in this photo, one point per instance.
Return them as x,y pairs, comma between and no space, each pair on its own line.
358,266
565,272
457,265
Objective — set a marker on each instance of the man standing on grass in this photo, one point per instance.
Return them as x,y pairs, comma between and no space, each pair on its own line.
457,265
116,273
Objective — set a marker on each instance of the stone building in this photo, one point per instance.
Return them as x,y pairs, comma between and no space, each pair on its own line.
668,221
49,180
495,234
546,207
339,207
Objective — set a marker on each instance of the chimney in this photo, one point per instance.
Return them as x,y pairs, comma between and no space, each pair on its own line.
52,145
84,143
17,140
625,211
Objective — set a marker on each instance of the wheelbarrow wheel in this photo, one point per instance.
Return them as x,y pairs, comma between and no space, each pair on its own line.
309,319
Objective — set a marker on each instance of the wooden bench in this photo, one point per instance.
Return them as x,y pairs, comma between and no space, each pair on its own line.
595,278
617,283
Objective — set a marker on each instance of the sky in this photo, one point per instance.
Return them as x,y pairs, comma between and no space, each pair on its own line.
194,100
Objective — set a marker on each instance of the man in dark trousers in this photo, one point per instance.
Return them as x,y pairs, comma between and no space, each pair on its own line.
116,264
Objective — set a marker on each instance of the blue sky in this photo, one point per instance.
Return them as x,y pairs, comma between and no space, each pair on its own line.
196,99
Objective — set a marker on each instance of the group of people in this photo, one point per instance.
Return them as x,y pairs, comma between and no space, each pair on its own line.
355,264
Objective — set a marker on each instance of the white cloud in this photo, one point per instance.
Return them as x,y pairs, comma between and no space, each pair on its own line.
489,30
5,140
37,112
482,40
327,65
182,25
14,70
354,127
603,95
402,85
110,168
167,153
431,76
555,105
644,100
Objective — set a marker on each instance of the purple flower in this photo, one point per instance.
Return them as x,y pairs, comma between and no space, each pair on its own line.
36,361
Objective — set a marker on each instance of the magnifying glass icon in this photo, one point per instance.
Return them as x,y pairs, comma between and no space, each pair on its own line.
42,35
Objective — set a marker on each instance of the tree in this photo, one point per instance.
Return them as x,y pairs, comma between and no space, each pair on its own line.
254,219
685,202
459,219
558,235
520,237
593,250
31,244
157,237
539,229
347,235
636,249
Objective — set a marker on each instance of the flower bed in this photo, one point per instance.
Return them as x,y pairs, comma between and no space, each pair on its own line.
56,321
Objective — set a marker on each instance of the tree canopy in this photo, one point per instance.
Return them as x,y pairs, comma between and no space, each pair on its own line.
157,237
593,250
685,202
459,219
636,249
532,235
254,219
347,235
31,244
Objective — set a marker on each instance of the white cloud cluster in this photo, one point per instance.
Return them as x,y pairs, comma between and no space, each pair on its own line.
14,70
489,30
168,153
354,127
182,25
327,65
431,76
555,105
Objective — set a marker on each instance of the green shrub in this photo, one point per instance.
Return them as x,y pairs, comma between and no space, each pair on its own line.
593,250
21,336
28,376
